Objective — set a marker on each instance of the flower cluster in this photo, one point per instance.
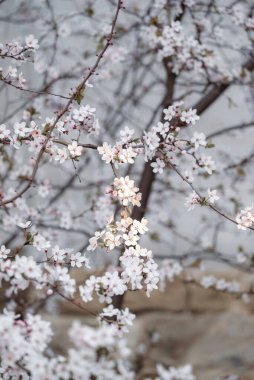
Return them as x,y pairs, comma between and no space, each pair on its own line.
117,154
22,346
84,119
186,52
193,52
162,145
67,256
106,287
4,252
138,268
126,192
245,218
126,231
36,136
173,373
220,284
97,352
121,319
74,149
21,271
18,54
193,199
168,270
122,152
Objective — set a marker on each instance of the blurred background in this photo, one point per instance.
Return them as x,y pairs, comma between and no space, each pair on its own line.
184,322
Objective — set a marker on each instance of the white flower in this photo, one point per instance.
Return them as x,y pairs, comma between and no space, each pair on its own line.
158,166
31,42
111,240
82,113
40,243
126,134
127,155
212,196
245,218
61,127
198,139
74,149
168,270
4,252
86,291
59,255
125,190
190,116
78,260
172,373
169,113
192,200
61,155
152,140
208,281
21,80
131,238
58,276
25,225
93,242
139,227
162,128
207,163
12,71
21,129
107,152
4,132
122,318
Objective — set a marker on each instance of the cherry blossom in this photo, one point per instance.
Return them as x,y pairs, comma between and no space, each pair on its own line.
189,117
4,252
198,139
158,166
212,196
126,134
245,218
192,200
4,132
74,149
125,190
181,373
122,318
31,42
